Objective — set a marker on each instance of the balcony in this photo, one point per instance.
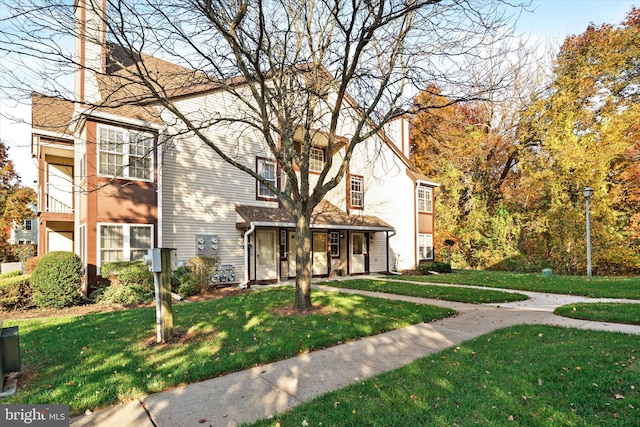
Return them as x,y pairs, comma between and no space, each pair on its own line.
55,205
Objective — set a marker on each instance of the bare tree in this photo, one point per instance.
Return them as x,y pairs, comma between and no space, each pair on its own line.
292,69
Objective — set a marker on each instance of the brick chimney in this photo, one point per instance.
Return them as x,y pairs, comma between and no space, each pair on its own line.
89,49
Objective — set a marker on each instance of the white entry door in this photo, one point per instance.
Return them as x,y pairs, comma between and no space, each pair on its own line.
266,263
357,253
293,246
320,253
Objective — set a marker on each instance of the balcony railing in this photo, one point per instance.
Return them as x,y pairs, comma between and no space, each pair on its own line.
56,206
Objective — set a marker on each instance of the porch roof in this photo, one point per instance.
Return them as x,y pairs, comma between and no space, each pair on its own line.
325,216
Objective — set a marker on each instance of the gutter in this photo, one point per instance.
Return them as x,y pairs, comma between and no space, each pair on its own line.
245,282
393,233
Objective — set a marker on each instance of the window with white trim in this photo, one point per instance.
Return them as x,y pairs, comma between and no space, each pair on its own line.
316,159
125,153
334,244
268,170
124,242
424,199
425,246
356,191
27,224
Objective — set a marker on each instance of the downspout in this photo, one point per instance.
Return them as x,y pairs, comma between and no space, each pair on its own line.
388,269
245,283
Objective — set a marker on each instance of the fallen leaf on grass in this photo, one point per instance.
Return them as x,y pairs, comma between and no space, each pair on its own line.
619,396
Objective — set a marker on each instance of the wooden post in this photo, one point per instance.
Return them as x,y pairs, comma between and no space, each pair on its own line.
166,322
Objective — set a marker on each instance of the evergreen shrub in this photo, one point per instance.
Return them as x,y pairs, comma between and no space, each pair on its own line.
15,292
56,280
131,283
438,267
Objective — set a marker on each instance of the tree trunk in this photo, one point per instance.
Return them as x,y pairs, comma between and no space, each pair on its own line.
303,263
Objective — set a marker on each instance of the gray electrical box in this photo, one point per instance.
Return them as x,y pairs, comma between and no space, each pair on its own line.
207,244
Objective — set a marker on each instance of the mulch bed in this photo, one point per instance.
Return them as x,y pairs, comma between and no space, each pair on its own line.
80,310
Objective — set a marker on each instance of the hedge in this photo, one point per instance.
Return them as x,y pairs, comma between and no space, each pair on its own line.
15,292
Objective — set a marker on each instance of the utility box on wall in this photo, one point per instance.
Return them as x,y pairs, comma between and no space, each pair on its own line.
206,244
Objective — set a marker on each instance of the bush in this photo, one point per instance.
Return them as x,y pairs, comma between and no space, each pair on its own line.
10,274
438,267
128,273
57,279
185,281
15,292
520,264
131,284
130,294
30,264
193,278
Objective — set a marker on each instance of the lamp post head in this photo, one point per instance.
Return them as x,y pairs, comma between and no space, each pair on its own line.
587,192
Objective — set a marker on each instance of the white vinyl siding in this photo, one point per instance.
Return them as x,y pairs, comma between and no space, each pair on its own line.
124,153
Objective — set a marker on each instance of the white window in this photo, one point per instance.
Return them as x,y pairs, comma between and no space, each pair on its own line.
424,199
267,169
124,153
124,242
425,246
334,244
27,224
316,159
356,191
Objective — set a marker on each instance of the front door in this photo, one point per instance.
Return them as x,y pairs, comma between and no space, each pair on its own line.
320,254
293,246
357,253
266,261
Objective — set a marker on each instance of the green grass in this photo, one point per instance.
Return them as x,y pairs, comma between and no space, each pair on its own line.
96,360
518,376
602,312
447,293
599,287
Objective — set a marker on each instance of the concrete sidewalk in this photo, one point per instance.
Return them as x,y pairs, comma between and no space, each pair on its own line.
266,390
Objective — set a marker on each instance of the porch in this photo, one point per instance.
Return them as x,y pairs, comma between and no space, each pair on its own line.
341,244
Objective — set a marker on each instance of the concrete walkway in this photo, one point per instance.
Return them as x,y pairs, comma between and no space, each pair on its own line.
266,390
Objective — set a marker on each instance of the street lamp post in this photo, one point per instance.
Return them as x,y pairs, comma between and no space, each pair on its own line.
587,192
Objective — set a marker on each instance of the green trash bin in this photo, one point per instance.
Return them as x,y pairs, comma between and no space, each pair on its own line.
10,349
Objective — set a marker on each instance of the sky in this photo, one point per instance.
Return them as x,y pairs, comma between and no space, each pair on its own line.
546,21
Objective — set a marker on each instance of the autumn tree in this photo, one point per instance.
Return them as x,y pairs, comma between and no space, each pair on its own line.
472,149
587,122
16,201
296,68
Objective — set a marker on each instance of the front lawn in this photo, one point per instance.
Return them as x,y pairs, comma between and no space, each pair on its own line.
602,312
96,360
446,293
518,376
599,287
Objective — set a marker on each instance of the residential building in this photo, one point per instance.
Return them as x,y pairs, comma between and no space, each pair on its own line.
117,180
25,233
